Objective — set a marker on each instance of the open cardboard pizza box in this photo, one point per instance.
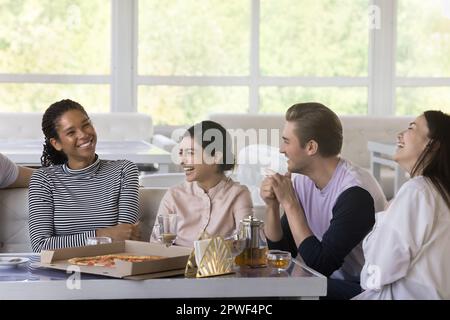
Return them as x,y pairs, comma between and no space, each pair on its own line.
174,264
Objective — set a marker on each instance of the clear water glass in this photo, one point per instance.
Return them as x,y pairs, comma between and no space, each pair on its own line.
92,241
167,229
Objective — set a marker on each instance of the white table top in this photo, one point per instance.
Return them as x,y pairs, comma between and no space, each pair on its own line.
30,282
29,152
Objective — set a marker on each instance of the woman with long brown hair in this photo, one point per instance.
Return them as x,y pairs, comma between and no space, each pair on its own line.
407,254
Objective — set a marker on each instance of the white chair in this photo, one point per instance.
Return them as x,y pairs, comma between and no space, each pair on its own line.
161,180
252,161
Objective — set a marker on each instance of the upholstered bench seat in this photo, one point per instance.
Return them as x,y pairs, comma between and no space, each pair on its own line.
14,234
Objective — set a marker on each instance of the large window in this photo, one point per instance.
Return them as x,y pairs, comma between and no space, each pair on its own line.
342,100
181,60
250,56
325,38
423,51
184,41
50,50
304,45
179,105
194,38
26,97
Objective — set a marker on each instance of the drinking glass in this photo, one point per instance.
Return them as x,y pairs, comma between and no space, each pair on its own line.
92,241
167,229
237,244
279,260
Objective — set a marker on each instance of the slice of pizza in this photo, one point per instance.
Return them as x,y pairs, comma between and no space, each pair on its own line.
108,260
138,258
102,261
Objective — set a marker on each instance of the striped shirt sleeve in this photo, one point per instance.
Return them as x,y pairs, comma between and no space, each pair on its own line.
129,194
40,200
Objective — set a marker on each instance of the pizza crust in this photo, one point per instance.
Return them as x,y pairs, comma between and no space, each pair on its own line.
108,260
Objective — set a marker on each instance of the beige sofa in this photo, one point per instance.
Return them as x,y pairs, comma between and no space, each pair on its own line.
14,235
358,130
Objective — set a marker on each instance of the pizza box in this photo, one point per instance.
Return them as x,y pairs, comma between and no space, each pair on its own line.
174,264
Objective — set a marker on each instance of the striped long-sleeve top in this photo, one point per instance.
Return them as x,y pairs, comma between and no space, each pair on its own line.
67,206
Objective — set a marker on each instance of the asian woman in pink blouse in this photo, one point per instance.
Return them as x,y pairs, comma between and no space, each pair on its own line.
208,200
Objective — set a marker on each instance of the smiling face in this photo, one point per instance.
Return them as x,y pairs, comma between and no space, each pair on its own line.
76,137
298,157
197,167
411,143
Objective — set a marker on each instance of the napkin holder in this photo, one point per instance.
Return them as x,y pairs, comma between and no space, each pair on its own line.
217,260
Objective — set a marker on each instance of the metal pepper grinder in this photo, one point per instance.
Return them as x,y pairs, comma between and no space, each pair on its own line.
254,254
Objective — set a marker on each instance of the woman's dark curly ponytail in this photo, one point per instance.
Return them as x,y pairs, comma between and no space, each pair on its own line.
51,156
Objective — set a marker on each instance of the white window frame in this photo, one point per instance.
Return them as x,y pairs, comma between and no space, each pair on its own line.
254,81
384,80
124,79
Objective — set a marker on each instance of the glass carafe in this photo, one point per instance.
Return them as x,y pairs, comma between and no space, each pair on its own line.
254,254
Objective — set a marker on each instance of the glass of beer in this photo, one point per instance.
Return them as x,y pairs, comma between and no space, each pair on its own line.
167,229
